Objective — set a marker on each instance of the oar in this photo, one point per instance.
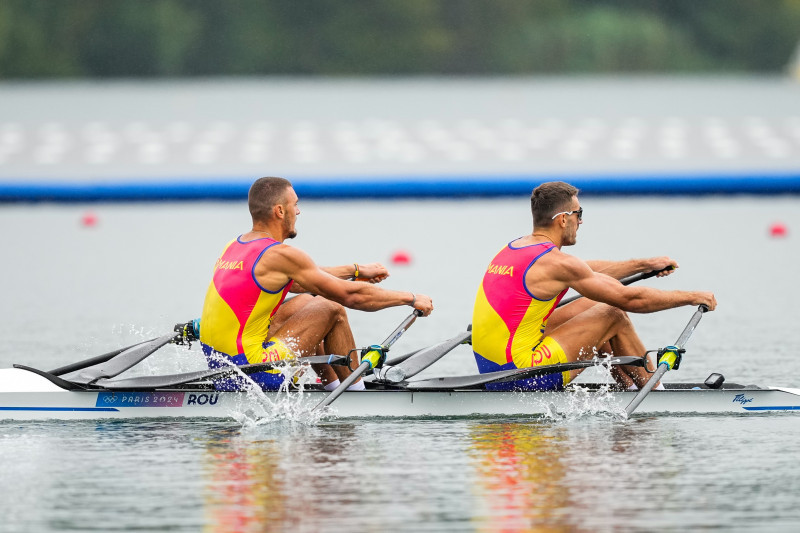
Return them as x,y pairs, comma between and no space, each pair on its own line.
373,358
174,380
478,381
669,358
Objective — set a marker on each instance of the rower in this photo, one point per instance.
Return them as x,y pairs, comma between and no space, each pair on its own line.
516,319
246,317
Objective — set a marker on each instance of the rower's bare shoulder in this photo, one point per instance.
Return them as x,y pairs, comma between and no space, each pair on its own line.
284,253
280,261
565,266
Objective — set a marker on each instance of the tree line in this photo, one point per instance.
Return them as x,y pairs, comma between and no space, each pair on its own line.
179,38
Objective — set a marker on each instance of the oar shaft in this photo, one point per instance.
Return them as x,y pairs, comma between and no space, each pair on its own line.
349,380
398,332
352,378
689,329
663,368
645,390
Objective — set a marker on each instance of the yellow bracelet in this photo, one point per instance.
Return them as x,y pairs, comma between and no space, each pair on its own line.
355,275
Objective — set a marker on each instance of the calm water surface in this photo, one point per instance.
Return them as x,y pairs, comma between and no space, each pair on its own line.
70,292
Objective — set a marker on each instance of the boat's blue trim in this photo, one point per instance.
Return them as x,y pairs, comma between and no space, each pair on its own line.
774,408
410,186
58,409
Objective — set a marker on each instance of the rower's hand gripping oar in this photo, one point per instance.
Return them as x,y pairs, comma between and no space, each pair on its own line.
372,357
669,358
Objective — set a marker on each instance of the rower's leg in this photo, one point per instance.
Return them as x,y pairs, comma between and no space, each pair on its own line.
589,330
567,312
289,308
318,321
627,342
617,373
325,372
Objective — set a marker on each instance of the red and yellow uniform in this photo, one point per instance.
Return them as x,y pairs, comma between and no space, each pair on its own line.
237,313
508,321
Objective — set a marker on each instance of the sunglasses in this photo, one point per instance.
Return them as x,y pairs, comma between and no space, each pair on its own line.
578,212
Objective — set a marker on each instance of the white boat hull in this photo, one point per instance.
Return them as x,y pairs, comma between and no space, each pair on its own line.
27,396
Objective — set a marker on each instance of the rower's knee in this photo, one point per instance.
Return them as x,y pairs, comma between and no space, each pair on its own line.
614,315
330,309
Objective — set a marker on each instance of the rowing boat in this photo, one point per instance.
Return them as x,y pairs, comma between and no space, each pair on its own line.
29,396
91,388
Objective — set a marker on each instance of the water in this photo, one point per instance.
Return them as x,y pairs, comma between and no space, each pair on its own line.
70,292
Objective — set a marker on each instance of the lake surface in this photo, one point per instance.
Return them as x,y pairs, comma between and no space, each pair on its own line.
72,291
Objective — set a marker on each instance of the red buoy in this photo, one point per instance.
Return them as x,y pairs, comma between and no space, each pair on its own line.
89,219
778,229
401,257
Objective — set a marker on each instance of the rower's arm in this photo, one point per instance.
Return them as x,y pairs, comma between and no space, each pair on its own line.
604,288
623,269
372,272
356,295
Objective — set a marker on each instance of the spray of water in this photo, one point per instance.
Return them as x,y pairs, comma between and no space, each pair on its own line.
257,408
581,402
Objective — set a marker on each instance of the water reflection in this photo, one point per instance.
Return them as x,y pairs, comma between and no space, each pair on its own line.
244,486
570,476
267,478
520,476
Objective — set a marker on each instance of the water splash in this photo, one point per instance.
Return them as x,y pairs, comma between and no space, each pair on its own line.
256,408
582,402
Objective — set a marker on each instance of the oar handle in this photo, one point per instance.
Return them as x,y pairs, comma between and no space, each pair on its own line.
645,275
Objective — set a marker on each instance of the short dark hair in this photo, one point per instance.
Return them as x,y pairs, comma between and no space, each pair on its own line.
548,199
266,193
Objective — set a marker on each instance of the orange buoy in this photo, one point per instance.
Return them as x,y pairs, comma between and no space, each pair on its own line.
778,229
401,257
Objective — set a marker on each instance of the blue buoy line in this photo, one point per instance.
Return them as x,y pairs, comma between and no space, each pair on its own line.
396,187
